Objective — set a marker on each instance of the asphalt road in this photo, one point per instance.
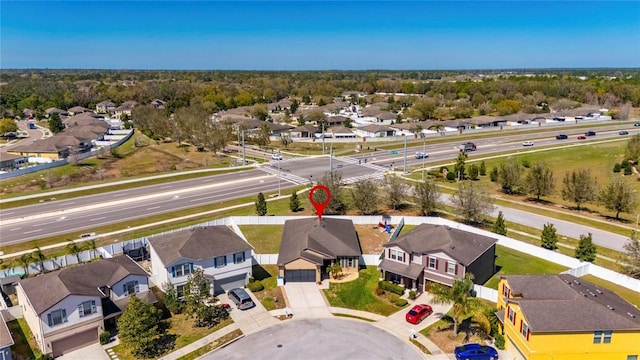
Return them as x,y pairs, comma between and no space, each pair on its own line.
64,216
322,339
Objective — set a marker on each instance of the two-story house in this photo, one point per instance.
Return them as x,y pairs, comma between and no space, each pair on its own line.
437,253
564,317
104,107
224,257
68,309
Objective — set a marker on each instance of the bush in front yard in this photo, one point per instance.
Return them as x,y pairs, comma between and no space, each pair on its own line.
412,295
401,302
105,337
379,291
255,286
393,298
388,286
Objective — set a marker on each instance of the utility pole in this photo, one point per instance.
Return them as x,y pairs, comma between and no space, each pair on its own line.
244,160
405,155
331,158
322,123
278,177
424,154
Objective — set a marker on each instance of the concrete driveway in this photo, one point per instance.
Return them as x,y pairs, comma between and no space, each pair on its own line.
91,352
306,300
250,320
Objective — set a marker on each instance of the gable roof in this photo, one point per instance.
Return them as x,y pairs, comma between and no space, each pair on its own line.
198,243
565,303
306,128
462,246
339,130
314,241
44,291
376,128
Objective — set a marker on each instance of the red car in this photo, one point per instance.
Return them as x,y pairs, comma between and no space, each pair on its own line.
581,137
418,313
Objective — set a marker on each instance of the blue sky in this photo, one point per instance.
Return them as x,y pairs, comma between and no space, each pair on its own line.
347,35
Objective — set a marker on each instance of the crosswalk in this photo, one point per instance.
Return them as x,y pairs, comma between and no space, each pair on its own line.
286,176
351,160
375,176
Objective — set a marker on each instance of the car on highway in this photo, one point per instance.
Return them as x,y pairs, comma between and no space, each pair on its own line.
421,155
582,137
475,351
393,152
636,124
562,137
469,146
527,143
276,156
623,132
590,133
418,313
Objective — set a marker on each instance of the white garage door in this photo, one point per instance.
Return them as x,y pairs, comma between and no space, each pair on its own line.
77,341
224,285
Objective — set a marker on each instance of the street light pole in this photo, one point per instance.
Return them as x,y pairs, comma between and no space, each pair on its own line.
278,177
404,165
331,158
244,160
322,137
424,154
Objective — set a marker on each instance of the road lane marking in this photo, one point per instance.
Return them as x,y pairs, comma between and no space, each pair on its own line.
154,207
32,231
98,218
15,229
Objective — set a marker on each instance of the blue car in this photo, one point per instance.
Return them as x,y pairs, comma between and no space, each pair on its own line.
475,352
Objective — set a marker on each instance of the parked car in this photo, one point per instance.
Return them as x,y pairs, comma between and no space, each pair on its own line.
475,352
241,298
562,137
418,313
527,143
623,132
276,156
421,155
582,137
590,133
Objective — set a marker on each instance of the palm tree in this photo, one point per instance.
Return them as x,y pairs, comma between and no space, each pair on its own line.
73,249
91,246
40,257
25,260
460,295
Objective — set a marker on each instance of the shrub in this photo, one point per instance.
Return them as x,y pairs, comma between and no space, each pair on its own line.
451,176
255,286
494,174
394,298
385,285
379,291
401,302
526,163
105,337
251,279
617,168
412,295
499,341
443,168
628,170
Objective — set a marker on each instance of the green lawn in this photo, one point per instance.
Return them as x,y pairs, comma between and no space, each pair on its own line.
268,274
511,262
24,346
264,238
359,294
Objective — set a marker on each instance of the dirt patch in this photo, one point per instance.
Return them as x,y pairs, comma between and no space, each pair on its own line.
372,239
443,338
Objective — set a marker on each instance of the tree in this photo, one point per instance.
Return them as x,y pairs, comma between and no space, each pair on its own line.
471,201
294,106
25,260
285,140
55,123
260,112
549,238
73,249
171,300
539,180
8,125
474,172
333,181
395,190
483,169
38,256
586,250
509,176
631,256
335,270
261,205
632,150
138,328
364,197
459,167
460,295
499,226
619,196
579,187
198,300
426,194
294,202
91,246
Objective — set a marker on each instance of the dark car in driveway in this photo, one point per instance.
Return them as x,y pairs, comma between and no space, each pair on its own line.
418,313
475,352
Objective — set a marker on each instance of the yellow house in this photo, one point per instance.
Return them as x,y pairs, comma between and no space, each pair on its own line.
562,317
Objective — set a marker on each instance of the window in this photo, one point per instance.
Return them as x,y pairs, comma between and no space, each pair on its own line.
505,290
525,330
394,254
182,269
87,308
597,337
433,263
632,357
131,287
607,337
57,317
451,267
238,258
220,261
180,291
512,315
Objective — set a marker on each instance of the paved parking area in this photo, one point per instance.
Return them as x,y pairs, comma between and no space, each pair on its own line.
91,352
306,300
249,320
324,339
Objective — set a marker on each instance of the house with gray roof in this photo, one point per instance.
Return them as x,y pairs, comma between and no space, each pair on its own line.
6,340
304,131
340,132
223,255
437,253
104,107
78,110
309,246
374,130
67,309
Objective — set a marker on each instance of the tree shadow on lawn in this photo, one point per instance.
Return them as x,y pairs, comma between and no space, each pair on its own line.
468,331
259,273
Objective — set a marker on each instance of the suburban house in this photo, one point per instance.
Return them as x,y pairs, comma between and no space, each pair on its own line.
304,131
56,147
375,131
53,110
67,309
6,340
104,107
341,132
77,110
437,253
224,257
10,162
125,108
561,316
309,246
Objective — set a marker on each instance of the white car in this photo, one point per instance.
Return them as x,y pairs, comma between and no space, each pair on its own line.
276,156
527,143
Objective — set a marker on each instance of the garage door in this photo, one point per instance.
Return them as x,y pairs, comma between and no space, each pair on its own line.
77,341
224,285
300,276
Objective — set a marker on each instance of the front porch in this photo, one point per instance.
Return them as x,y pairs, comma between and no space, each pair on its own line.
408,275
